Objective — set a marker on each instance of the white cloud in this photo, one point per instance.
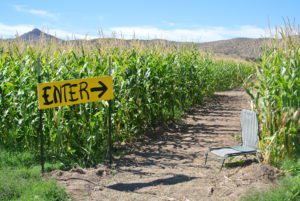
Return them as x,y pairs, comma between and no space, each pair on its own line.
9,31
66,35
37,12
195,34
144,32
169,24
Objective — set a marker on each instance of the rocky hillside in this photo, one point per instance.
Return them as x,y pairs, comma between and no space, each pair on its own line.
245,48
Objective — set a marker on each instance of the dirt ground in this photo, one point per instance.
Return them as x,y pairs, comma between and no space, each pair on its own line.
169,165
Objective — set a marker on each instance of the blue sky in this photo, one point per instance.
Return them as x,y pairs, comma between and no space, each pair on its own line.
180,20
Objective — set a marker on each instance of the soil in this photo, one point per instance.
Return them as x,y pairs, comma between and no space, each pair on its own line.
169,164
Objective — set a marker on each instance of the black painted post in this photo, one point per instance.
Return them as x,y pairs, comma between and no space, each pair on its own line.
109,121
41,123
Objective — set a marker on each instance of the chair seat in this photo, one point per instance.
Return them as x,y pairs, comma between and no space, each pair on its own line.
244,149
235,150
223,152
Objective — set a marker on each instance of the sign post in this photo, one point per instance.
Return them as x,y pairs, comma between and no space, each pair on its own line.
109,121
41,123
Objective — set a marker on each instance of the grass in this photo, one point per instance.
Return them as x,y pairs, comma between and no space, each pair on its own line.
20,179
288,188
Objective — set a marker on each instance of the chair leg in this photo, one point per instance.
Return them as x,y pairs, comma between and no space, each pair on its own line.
259,157
222,164
206,154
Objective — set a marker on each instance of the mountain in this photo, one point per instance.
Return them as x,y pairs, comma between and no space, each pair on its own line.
244,48
37,35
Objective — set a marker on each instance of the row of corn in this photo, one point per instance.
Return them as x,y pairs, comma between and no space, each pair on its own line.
276,96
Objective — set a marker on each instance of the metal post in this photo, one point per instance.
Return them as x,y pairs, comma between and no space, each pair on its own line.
109,121
41,123
223,161
206,155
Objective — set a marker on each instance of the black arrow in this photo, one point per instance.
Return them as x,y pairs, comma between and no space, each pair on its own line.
103,88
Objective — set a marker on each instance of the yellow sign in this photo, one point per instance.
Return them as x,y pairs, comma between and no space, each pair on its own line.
69,92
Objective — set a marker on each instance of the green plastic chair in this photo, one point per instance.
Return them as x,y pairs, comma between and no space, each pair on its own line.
250,139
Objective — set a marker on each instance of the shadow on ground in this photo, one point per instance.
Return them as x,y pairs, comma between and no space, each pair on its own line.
136,186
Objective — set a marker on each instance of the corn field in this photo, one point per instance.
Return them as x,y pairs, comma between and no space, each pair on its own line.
276,96
152,87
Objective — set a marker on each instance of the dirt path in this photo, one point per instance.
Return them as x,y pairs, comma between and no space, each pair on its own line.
171,167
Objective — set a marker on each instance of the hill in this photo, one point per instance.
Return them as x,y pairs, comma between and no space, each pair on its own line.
37,35
245,48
